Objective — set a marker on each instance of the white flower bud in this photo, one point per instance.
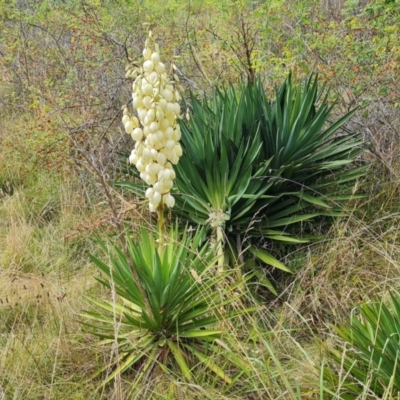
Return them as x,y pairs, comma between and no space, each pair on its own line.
147,90
154,154
171,119
125,118
158,186
154,127
145,176
155,57
146,54
160,175
151,140
170,144
152,179
152,207
128,127
147,101
164,174
177,108
160,137
135,122
161,158
140,166
137,134
160,68
178,150
168,200
142,113
156,198
149,192
148,66
159,115
174,159
159,145
167,185
163,104
139,148
146,154
167,94
165,123
133,158
176,134
169,133
146,131
153,168
152,78
170,108
151,115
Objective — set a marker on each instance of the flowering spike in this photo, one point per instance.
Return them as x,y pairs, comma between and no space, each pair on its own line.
156,131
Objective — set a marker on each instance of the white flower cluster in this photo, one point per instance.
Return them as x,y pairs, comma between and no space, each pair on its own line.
157,140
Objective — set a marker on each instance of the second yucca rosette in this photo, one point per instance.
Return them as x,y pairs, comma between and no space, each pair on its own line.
155,131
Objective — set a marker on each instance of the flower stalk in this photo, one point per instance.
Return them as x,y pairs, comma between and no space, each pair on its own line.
155,129
220,248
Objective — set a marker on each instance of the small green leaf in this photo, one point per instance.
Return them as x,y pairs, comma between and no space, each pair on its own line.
268,258
180,359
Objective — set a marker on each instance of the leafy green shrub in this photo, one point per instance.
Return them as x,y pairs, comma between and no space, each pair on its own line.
169,308
370,362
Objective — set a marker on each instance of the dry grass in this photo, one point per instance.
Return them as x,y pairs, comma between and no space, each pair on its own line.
44,353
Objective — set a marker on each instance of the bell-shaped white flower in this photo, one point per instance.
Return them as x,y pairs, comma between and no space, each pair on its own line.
137,134
146,54
155,198
133,158
149,192
140,166
170,144
153,207
129,126
155,57
168,200
160,68
148,66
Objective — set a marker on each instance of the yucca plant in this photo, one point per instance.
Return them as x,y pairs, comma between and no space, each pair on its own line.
370,362
264,166
167,312
252,169
297,134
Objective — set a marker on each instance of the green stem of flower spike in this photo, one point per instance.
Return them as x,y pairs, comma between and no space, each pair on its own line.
161,229
220,248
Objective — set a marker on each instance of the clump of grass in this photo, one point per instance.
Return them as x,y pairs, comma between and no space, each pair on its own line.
43,352
42,333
